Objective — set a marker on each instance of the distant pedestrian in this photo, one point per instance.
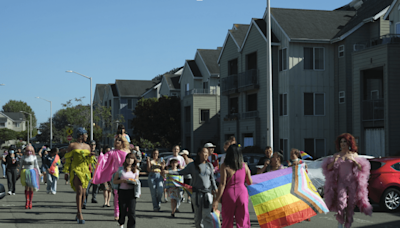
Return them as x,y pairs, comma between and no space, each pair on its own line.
92,167
4,164
121,131
188,177
29,174
264,164
52,161
155,165
138,155
12,169
42,153
174,192
106,186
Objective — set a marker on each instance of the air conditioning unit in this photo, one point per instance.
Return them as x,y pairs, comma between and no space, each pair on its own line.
358,47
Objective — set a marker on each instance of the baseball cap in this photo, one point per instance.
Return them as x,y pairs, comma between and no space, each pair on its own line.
208,145
184,152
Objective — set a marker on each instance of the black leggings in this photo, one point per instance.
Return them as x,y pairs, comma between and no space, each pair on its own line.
11,179
126,199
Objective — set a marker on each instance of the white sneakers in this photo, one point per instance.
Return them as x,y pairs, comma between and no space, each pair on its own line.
9,193
14,194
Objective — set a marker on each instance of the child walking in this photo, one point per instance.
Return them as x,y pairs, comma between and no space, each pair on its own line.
127,178
175,193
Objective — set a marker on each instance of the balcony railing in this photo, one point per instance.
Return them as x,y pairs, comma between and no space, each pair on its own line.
250,115
373,110
229,84
232,116
248,80
201,91
385,39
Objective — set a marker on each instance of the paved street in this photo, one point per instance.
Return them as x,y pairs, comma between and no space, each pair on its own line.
59,211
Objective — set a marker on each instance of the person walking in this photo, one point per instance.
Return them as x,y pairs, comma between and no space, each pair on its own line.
187,178
51,163
155,165
232,190
92,167
42,153
106,186
127,178
174,192
204,187
29,174
12,169
77,158
4,163
346,184
138,155
264,164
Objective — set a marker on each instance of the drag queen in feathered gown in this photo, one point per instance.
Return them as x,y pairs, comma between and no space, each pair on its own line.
108,164
346,181
29,174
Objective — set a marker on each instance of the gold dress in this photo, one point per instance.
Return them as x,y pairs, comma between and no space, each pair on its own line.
77,163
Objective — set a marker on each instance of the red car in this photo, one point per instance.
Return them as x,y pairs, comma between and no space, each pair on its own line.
384,182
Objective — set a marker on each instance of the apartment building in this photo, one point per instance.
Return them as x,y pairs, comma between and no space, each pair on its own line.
13,120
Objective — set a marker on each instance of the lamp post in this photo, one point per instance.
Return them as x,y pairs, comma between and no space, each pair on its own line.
91,102
51,122
269,75
30,116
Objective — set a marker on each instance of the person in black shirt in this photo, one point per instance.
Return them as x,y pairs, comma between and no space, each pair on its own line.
263,165
12,169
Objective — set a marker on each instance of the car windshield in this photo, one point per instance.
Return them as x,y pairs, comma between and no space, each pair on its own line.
376,165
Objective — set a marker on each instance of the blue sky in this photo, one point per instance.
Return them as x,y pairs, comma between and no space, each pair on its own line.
108,40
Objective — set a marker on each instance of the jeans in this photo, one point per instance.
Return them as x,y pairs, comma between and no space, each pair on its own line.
4,166
51,183
155,181
11,179
202,215
95,190
127,200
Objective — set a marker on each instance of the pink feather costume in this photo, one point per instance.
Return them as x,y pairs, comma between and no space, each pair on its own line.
107,165
346,187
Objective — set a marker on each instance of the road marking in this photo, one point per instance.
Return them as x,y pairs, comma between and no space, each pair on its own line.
362,220
5,205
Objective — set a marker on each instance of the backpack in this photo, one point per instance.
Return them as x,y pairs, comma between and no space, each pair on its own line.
137,188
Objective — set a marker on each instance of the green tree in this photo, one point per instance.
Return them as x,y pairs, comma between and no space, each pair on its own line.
158,121
16,106
7,134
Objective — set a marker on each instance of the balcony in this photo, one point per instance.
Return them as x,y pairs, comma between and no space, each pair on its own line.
232,117
229,85
248,80
385,39
373,110
250,115
201,91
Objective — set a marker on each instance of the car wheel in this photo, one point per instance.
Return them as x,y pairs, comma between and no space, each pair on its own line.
391,199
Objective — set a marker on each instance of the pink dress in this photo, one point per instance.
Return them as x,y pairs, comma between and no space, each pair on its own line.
235,200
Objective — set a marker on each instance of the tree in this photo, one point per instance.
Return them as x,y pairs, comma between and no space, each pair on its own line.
7,134
16,106
158,121
159,77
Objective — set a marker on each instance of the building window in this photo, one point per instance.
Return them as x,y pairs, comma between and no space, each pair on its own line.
314,58
341,51
283,59
283,105
314,104
16,124
252,102
248,140
251,61
2,124
205,86
233,105
233,67
204,115
187,86
342,96
374,94
315,147
130,103
283,145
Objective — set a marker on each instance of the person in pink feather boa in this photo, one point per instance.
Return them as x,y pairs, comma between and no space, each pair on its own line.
346,181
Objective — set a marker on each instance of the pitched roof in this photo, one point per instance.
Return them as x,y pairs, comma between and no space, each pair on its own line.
368,9
262,25
133,87
311,24
114,90
194,68
15,115
100,88
172,81
210,57
239,33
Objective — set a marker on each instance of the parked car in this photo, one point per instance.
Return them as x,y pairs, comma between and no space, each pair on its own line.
384,182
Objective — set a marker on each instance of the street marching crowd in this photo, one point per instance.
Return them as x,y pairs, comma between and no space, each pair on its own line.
206,180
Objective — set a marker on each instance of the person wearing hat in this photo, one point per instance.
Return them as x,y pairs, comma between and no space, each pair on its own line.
212,157
42,153
12,169
51,163
92,167
188,177
77,158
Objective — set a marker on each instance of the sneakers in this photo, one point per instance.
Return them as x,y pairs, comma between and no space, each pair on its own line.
189,201
53,193
9,192
13,193
183,199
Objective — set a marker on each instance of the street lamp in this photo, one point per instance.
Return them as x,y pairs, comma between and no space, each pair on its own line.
91,102
30,124
51,122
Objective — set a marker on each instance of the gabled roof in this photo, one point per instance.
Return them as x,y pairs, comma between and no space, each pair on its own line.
368,10
114,90
194,68
100,88
390,10
238,33
210,57
320,25
16,116
262,25
148,90
132,88
172,81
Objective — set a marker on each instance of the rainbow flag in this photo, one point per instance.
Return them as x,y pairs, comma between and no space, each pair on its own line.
285,197
216,218
304,155
186,187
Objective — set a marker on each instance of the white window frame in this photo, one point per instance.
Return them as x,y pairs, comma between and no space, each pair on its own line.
323,48
342,94
340,50
314,104
200,119
374,91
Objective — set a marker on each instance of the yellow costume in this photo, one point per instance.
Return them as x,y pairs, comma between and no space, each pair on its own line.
78,166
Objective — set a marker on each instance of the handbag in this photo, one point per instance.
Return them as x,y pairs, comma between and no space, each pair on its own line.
216,218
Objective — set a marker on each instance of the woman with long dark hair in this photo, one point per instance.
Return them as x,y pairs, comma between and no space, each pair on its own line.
232,191
346,184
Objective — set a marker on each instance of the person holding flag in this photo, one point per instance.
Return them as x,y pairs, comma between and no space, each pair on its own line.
174,190
51,163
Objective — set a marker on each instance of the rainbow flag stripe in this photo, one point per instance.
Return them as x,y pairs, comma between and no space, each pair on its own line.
186,187
304,155
284,197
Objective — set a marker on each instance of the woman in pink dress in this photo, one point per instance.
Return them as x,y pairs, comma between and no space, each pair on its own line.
232,190
346,182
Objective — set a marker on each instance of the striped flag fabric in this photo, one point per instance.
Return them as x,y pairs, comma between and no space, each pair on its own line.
186,187
285,197
304,155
